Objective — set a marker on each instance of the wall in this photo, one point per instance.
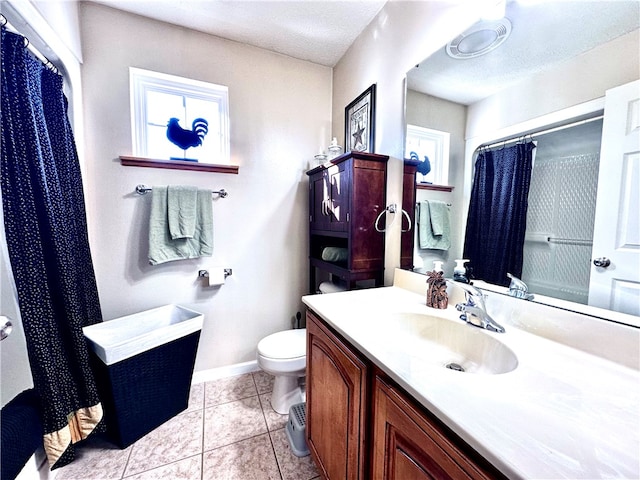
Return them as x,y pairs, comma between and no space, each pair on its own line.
401,35
280,113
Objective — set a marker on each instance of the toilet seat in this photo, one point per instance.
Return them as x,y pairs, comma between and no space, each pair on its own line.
285,345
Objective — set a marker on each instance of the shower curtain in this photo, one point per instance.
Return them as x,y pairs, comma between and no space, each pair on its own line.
496,223
45,224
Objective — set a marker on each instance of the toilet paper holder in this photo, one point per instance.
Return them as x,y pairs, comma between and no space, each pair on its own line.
205,273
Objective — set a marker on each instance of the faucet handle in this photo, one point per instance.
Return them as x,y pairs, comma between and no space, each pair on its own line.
518,289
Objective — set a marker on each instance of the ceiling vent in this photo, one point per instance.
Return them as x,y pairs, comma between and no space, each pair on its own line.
479,39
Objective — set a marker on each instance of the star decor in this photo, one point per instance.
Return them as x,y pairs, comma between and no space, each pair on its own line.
359,122
357,138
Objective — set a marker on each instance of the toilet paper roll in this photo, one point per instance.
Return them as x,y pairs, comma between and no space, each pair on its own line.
216,276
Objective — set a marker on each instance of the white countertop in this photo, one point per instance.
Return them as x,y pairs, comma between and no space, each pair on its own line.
562,413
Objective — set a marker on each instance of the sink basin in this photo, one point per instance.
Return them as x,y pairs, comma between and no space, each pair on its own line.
454,345
124,337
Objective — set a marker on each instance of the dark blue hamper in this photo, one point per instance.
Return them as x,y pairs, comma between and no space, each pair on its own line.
143,365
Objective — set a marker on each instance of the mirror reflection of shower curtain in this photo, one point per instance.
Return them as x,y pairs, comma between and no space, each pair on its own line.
496,222
45,223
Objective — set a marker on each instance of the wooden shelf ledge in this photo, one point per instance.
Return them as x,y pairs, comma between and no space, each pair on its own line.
430,186
177,165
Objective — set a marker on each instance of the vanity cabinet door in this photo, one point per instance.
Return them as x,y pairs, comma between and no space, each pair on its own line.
336,404
408,445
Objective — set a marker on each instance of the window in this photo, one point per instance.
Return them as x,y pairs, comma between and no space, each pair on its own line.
156,98
433,144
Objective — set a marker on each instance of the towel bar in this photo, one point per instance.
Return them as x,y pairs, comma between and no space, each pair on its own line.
143,189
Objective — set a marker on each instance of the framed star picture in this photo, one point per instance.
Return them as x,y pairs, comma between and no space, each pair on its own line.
359,122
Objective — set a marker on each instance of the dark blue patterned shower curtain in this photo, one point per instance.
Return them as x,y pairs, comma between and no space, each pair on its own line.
45,224
497,219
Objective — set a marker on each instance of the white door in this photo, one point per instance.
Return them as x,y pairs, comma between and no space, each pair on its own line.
615,269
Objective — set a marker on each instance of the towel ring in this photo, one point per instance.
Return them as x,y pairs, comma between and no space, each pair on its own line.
393,208
404,212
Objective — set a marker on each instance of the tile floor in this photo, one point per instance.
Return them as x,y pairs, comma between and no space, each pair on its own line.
228,432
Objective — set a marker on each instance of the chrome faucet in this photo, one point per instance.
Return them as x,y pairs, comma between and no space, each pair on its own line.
518,288
474,311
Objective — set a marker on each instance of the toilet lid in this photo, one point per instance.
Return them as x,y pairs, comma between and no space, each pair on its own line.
285,344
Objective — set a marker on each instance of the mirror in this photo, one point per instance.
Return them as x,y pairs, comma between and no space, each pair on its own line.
505,81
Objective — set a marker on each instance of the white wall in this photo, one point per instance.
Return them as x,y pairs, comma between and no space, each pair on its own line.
401,35
280,112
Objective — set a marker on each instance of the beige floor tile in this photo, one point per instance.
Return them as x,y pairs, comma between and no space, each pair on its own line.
291,467
250,459
274,420
229,389
95,458
179,438
186,469
264,381
231,422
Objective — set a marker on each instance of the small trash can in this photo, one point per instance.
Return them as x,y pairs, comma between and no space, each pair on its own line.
143,365
296,429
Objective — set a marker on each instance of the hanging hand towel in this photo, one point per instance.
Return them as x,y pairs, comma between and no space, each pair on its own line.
434,225
163,248
181,209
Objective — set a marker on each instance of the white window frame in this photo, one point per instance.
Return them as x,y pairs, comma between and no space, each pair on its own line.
440,141
143,81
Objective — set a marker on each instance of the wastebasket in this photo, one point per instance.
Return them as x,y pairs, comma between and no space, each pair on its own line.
143,365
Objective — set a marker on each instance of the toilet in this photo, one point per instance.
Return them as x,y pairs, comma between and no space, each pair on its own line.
284,355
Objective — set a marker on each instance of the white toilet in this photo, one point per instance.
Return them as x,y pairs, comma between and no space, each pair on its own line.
284,355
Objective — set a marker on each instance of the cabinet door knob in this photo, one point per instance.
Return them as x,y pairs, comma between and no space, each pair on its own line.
603,262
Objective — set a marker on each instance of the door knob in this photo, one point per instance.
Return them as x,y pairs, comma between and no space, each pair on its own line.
603,262
5,327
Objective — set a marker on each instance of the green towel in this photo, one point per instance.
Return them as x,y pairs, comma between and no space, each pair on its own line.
335,254
162,248
181,210
434,225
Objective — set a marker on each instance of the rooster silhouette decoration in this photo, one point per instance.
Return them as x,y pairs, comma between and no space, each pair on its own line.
423,167
187,138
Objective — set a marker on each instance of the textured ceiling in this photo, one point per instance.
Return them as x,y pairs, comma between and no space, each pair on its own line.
544,33
318,31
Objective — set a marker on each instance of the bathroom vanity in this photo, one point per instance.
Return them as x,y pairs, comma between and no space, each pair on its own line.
382,404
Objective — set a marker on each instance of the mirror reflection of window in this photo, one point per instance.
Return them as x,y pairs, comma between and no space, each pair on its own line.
434,145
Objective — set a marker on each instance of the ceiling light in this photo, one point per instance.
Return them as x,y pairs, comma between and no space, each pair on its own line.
479,39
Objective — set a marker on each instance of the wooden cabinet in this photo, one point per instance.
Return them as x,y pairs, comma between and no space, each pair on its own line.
359,432
409,443
346,195
407,237
336,404
328,199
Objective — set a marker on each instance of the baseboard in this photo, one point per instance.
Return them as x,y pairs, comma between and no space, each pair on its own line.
224,372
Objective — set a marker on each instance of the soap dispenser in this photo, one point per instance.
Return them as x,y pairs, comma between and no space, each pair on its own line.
460,272
437,291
